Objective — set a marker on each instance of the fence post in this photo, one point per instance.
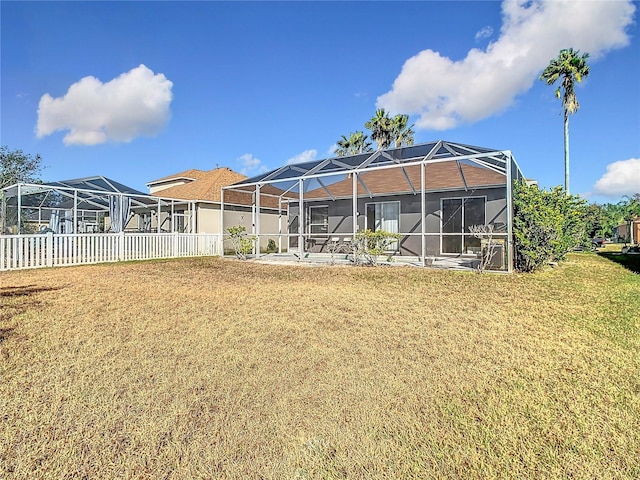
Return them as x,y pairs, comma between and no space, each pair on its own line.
121,246
174,249
49,247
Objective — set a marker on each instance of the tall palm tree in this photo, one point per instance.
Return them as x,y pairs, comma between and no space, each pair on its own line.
381,127
357,142
570,67
387,131
402,133
344,146
360,142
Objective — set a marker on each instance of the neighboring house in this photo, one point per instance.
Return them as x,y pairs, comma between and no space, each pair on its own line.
628,232
204,190
429,194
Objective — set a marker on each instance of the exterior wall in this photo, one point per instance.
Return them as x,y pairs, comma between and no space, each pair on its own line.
162,186
340,222
209,222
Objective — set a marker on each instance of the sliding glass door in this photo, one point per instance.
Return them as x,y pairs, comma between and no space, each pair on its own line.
458,214
384,216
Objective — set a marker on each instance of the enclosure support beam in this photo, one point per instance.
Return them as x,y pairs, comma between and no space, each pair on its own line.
509,245
301,219
354,186
423,251
258,220
4,213
19,210
280,225
173,229
194,217
159,212
75,211
222,222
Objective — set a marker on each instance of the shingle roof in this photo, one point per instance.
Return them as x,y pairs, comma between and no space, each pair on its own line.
438,176
206,186
203,185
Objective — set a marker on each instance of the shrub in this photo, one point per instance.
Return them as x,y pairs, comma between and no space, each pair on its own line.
243,244
272,246
368,245
546,225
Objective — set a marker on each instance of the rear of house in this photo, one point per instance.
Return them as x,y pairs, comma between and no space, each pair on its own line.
431,195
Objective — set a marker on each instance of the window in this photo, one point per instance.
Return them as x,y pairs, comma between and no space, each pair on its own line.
458,214
384,216
318,220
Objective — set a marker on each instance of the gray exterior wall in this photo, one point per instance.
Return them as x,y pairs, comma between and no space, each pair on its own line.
341,217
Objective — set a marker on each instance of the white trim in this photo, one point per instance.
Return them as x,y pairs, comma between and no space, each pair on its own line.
366,218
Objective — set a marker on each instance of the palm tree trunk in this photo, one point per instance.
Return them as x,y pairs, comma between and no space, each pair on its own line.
566,152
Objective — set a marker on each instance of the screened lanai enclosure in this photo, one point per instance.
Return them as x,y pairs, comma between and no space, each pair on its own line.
448,203
85,221
90,205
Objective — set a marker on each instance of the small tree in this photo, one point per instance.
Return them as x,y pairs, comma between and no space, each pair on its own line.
242,243
484,232
334,247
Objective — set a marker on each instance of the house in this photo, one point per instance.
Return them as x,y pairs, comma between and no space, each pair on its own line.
429,194
203,190
628,232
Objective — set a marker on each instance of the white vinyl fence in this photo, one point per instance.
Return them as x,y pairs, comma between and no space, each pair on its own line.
53,250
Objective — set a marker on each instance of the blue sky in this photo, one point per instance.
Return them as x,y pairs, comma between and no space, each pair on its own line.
254,85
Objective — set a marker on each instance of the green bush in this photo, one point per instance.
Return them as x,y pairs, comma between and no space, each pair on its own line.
272,247
368,245
546,225
243,244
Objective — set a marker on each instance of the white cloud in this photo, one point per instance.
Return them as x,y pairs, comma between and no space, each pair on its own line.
621,178
484,32
306,156
251,165
446,93
135,103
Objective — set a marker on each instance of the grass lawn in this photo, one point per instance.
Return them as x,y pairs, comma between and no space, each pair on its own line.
206,368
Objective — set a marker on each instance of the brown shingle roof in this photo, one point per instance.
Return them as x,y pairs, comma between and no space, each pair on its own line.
439,176
206,185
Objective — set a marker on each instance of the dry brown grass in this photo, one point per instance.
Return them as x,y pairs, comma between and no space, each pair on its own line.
205,368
